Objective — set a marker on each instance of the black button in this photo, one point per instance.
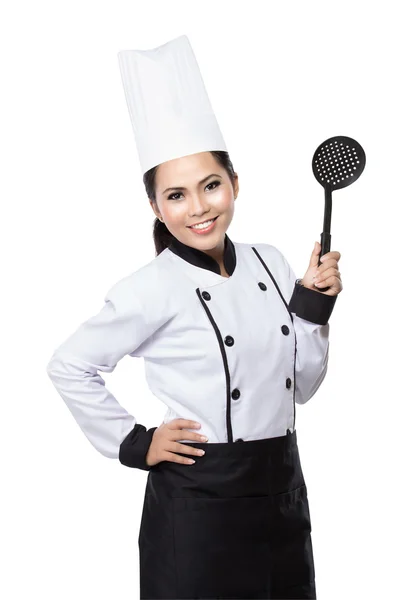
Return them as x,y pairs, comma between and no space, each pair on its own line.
229,341
239,440
206,295
288,382
236,394
288,432
262,285
285,329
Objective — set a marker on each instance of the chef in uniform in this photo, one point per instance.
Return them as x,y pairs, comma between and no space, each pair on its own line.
234,353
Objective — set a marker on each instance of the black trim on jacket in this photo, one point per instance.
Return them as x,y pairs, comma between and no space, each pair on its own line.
198,258
134,447
311,305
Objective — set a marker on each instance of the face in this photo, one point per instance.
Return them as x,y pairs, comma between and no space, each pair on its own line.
205,192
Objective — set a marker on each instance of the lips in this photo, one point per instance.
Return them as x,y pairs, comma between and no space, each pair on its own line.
190,226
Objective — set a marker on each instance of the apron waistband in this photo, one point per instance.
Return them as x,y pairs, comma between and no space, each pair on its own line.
261,467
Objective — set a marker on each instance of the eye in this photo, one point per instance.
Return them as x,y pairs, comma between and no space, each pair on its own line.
212,182
172,196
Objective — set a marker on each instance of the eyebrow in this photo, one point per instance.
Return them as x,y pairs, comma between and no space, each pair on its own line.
200,182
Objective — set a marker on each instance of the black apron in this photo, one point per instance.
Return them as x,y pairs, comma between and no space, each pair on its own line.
235,524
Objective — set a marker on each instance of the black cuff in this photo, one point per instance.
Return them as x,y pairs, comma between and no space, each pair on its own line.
311,305
134,447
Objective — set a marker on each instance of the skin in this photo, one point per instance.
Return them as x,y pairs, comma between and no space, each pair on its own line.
325,275
197,202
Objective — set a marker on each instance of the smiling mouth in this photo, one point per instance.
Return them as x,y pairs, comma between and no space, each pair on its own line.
211,220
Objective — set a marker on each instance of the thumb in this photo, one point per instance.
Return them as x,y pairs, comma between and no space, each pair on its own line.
315,255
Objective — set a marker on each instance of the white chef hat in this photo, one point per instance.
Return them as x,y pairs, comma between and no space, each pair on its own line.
168,104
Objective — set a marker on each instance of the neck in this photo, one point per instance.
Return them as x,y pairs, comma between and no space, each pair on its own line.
217,253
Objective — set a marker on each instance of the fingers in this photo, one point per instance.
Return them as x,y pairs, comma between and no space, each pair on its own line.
177,427
334,283
184,449
325,273
326,264
328,275
173,447
176,431
176,458
327,281
334,254
183,423
183,434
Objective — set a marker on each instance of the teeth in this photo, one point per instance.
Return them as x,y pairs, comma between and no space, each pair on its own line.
202,225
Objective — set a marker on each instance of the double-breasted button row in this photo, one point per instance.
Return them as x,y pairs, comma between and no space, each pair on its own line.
229,341
285,329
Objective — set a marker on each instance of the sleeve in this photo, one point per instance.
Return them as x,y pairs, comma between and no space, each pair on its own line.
98,344
310,312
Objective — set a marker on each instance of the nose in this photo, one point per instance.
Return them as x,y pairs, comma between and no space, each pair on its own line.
197,205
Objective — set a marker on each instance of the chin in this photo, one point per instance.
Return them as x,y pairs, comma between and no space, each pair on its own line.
211,240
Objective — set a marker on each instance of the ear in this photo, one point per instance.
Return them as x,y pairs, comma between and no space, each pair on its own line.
154,208
236,185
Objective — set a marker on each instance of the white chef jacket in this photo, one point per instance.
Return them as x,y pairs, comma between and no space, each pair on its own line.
234,353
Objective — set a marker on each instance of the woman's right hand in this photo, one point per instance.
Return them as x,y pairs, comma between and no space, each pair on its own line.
165,443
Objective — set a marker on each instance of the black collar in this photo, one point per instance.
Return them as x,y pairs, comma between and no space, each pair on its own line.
205,261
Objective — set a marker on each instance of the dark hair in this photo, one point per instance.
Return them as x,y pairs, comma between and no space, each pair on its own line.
161,234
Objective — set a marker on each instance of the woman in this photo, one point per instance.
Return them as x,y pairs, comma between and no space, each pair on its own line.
231,342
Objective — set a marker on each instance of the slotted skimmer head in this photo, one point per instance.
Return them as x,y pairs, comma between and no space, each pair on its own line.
337,163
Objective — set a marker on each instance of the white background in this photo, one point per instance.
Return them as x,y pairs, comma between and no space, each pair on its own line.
282,77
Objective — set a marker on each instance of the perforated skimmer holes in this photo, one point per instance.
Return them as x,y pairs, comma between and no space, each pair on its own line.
336,161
